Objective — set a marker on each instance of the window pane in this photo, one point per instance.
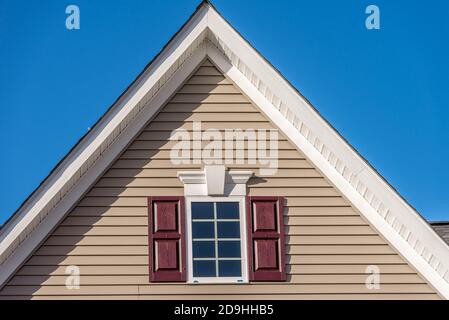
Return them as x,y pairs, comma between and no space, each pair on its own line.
203,249
229,249
202,210
228,210
229,268
228,229
202,230
204,268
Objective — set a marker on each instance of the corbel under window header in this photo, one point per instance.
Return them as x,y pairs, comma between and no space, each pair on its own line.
215,181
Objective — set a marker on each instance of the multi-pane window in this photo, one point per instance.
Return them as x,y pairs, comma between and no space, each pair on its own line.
216,239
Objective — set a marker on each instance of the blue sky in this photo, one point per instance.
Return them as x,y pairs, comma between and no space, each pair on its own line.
386,91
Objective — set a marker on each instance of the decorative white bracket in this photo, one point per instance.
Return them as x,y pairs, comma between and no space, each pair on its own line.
214,181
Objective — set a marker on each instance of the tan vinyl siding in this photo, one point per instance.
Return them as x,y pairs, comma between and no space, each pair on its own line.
329,244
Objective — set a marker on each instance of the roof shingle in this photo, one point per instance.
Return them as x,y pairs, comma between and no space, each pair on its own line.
442,228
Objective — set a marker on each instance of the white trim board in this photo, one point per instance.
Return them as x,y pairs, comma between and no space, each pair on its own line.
207,34
387,231
40,232
243,279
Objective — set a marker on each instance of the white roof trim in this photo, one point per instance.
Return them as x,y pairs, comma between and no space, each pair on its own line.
356,199
400,224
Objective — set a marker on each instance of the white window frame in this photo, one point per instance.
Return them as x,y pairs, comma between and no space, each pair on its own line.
243,241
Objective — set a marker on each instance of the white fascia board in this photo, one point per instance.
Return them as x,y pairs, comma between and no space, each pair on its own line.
386,230
107,126
361,171
22,252
274,81
104,130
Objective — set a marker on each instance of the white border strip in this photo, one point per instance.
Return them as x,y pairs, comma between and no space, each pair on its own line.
85,155
363,179
66,204
333,175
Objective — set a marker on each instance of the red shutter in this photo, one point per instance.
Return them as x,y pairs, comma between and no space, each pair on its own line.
166,239
266,243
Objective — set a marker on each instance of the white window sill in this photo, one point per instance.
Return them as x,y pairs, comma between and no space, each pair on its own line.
217,281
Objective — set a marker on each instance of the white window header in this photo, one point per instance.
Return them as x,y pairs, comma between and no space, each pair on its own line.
214,181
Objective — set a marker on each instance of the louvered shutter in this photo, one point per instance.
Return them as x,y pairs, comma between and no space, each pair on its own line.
266,243
167,257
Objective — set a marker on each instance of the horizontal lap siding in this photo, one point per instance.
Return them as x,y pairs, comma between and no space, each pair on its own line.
329,245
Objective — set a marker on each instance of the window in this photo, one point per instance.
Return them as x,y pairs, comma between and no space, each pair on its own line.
217,246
